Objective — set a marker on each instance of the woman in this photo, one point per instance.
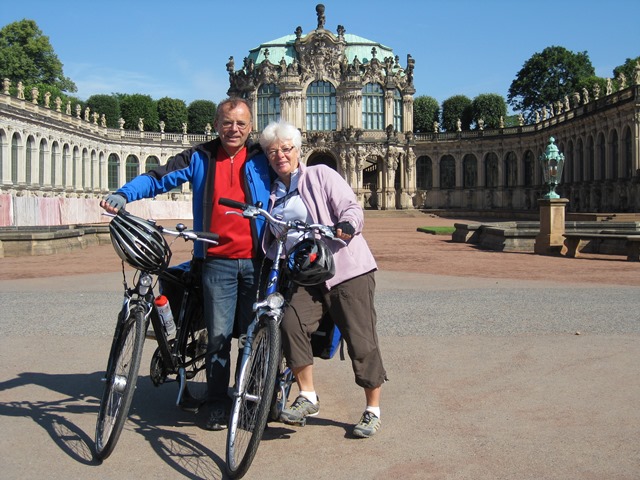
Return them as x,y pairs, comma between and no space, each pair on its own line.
318,194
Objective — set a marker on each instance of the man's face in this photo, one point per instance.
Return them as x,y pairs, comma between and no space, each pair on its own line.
233,126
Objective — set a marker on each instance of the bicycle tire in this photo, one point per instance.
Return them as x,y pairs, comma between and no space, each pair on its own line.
120,384
252,399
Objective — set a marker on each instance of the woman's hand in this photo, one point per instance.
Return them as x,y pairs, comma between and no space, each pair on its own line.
344,230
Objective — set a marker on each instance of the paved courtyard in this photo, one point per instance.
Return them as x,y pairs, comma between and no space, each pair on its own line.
501,366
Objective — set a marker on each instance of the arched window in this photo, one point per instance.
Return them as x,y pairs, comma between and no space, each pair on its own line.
151,163
614,153
424,173
398,111
372,107
113,172
15,149
268,104
321,106
529,165
42,154
31,149
510,170
627,155
447,172
491,170
54,161
131,168
470,171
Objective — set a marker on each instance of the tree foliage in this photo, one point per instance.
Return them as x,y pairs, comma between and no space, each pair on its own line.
107,105
173,112
628,69
490,107
426,110
27,56
137,106
200,113
547,77
454,108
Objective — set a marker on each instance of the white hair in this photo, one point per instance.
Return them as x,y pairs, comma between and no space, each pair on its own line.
282,131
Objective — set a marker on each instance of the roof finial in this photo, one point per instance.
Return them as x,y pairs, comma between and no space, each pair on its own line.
320,13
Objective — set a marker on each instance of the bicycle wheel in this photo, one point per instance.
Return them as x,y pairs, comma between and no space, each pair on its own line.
252,398
121,377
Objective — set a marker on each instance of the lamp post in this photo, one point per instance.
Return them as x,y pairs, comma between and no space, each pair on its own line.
552,162
550,240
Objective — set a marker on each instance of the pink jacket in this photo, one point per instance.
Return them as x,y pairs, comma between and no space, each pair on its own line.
329,200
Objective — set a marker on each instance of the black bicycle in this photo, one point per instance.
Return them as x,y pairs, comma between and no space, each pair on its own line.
263,381
141,244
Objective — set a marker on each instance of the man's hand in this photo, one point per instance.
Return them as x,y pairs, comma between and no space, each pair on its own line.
113,202
344,230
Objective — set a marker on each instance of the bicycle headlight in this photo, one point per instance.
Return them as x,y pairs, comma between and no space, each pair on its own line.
275,300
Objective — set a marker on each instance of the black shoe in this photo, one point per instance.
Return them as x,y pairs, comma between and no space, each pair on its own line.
217,418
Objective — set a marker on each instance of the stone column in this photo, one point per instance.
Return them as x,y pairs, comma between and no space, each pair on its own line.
550,240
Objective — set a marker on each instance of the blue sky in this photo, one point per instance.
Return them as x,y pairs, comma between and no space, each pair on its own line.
464,47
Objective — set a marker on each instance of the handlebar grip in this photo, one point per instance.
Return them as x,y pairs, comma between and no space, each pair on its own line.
208,236
227,202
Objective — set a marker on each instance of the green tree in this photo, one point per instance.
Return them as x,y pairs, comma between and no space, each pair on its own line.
27,56
454,108
590,84
107,105
489,107
173,112
426,110
547,77
200,113
628,69
136,106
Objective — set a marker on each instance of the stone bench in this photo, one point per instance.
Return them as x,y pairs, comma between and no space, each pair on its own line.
576,241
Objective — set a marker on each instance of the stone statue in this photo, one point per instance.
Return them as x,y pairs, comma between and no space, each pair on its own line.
576,99
596,91
436,127
6,84
68,108
184,128
298,32
480,124
34,95
58,102
567,106
103,121
121,123
341,31
520,119
537,116
501,121
231,65
141,124
458,125
20,91
86,114
162,125
78,110
207,129
622,81
95,117
409,70
636,73
609,90
585,95
47,99
320,13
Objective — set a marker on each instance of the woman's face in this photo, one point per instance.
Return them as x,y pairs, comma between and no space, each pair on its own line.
283,157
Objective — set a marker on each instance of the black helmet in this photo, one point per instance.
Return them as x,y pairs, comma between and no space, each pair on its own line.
139,242
310,262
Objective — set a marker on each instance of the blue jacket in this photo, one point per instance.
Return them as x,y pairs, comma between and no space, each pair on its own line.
197,165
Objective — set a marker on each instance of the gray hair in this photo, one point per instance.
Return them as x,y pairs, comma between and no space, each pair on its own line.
281,131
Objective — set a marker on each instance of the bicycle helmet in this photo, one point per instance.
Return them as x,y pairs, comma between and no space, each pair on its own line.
139,242
310,262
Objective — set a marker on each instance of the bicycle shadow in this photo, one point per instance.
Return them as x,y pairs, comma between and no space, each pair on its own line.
82,397
52,415
282,431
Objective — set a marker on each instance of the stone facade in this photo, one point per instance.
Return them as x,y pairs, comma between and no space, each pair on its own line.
50,151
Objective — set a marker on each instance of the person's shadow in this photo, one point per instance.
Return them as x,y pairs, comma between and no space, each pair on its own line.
82,396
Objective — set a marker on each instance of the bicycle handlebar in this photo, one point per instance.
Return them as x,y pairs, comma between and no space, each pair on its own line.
251,211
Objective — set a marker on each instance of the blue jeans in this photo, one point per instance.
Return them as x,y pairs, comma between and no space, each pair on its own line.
229,290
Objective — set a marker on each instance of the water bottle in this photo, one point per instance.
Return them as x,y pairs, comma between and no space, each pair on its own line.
166,317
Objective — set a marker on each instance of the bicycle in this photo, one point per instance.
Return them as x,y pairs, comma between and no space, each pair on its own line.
263,381
141,244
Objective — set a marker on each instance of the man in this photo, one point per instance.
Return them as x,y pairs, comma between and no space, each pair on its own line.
230,166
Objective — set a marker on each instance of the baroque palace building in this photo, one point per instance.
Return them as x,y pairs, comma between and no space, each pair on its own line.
353,102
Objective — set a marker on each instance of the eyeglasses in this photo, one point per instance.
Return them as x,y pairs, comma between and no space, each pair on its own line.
228,124
285,151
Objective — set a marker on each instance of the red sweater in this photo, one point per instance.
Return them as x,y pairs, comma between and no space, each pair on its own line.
235,231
